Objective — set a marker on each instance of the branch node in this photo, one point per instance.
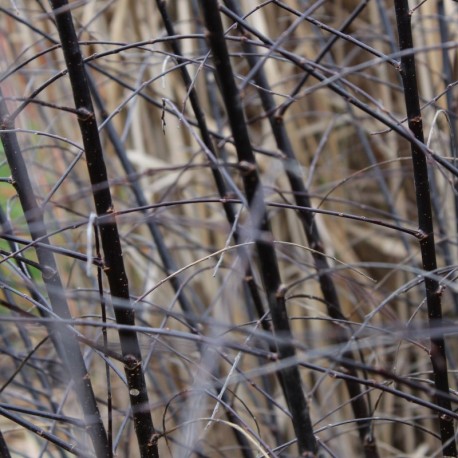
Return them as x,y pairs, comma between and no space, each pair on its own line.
281,291
421,235
131,362
247,168
84,114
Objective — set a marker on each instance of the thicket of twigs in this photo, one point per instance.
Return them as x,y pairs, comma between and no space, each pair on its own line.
228,229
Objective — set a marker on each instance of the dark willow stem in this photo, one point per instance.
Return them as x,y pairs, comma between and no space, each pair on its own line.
219,180
222,190
291,380
111,244
164,253
64,340
425,222
301,194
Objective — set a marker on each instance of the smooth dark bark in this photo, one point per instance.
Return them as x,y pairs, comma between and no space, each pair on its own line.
111,244
425,222
291,380
301,194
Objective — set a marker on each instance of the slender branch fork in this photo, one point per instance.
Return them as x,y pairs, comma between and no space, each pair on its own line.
425,221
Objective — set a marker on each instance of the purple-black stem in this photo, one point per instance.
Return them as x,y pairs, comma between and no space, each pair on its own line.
425,223
109,236
291,379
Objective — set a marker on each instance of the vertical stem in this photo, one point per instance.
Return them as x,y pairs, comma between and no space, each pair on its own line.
292,383
66,344
302,198
111,244
425,221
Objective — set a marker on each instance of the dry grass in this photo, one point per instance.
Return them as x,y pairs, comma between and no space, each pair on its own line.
351,163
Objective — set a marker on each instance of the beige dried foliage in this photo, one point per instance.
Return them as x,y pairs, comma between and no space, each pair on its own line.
173,166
